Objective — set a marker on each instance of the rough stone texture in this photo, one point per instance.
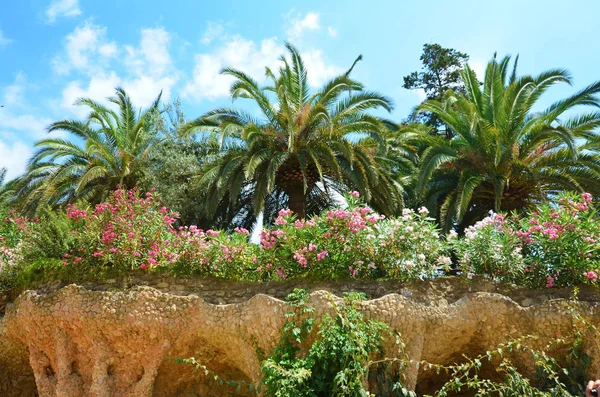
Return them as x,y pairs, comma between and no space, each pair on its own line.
108,341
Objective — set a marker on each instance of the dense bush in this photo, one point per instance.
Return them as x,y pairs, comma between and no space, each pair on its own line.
558,245
353,243
344,351
10,247
490,247
132,233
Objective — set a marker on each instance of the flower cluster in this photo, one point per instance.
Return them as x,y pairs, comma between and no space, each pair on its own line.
354,242
554,246
561,243
490,247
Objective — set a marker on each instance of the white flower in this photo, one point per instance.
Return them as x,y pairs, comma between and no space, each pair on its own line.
452,235
421,258
372,265
423,211
444,260
407,211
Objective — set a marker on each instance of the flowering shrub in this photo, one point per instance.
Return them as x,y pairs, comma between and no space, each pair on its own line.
352,243
133,233
491,247
555,246
562,243
10,247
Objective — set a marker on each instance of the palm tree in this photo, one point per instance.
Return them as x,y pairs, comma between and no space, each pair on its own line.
110,149
304,146
505,156
6,189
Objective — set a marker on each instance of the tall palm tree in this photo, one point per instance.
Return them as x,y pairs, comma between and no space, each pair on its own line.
506,156
304,146
108,150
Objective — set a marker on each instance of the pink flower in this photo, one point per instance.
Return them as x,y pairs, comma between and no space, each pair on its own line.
321,255
285,212
312,247
355,194
549,282
587,198
280,272
241,230
591,275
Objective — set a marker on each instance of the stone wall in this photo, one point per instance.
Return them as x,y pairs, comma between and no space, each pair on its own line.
116,339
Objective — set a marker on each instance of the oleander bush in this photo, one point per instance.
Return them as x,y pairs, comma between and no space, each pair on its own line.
557,245
132,232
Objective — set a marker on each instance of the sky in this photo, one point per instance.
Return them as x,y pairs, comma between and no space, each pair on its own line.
55,51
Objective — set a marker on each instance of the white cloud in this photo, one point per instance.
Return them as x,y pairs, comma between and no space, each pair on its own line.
213,31
85,49
24,124
14,157
151,68
3,40
252,58
318,71
299,24
108,50
152,56
332,31
13,94
237,53
144,70
98,88
13,120
62,8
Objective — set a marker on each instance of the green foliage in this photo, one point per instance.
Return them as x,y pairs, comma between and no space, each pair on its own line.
10,253
340,357
114,153
490,247
352,243
6,190
440,73
504,156
562,243
49,236
553,246
304,146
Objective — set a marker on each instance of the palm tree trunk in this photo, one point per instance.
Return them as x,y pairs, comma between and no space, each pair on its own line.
297,201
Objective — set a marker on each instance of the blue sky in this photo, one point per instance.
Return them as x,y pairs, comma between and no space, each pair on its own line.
54,51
